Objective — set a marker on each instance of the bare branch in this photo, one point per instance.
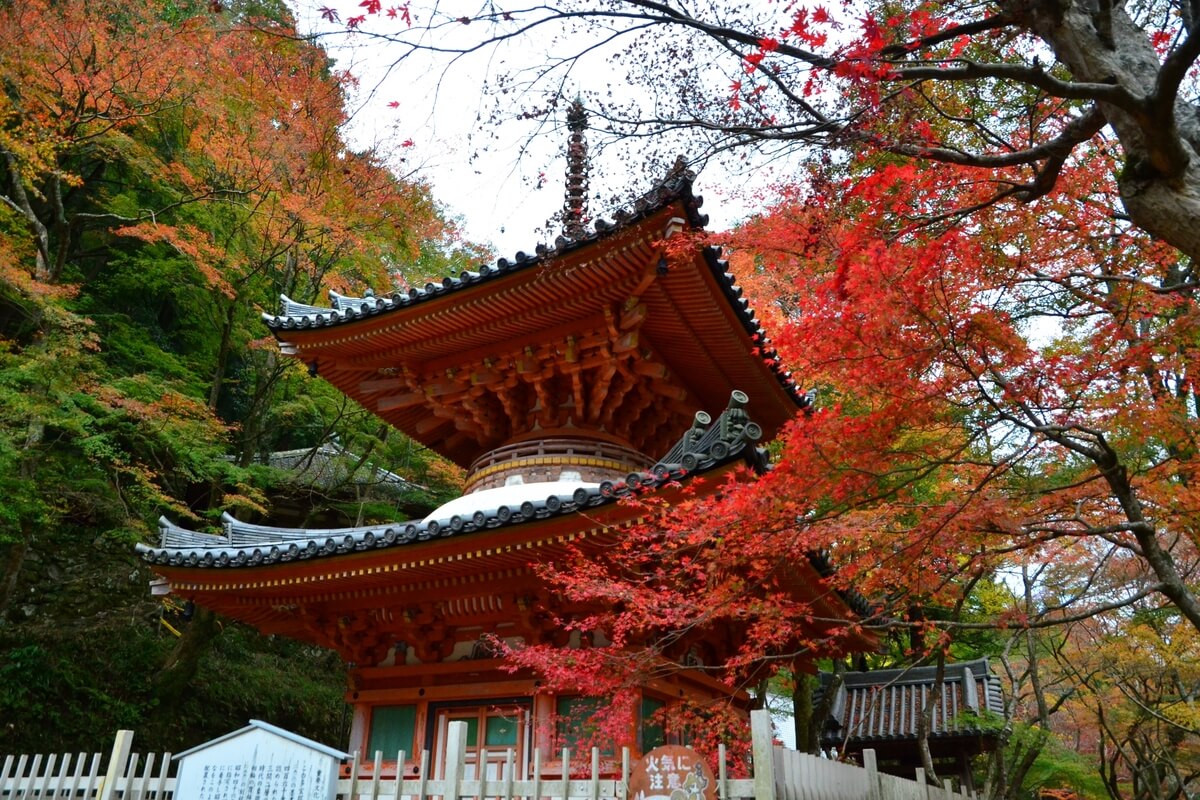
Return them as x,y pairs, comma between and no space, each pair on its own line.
966,70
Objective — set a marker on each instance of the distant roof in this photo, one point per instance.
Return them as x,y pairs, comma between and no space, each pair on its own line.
328,466
884,705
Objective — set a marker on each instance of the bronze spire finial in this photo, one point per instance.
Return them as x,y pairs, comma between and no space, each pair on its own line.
575,208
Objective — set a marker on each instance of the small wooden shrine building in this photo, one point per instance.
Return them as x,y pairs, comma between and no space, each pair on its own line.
561,380
880,710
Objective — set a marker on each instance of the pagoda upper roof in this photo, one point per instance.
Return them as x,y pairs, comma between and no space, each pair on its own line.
679,325
343,309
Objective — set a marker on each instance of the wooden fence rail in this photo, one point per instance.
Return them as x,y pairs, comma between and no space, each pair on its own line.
780,774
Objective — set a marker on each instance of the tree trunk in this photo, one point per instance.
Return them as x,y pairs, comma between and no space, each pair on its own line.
218,381
14,559
824,710
18,200
925,721
803,686
181,666
1160,185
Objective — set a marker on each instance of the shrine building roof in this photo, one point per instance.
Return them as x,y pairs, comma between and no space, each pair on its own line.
329,466
879,706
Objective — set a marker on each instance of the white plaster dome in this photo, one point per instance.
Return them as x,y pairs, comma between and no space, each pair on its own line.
511,495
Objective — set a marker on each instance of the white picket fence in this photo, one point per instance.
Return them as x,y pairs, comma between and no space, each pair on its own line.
779,774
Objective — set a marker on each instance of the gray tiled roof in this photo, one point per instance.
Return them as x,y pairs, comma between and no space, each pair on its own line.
886,704
732,436
343,309
328,466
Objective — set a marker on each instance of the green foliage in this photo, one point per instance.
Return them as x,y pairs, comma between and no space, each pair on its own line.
136,378
1059,767
73,691
245,675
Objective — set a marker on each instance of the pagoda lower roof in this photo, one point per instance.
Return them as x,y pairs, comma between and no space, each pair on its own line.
299,583
263,574
709,447
628,333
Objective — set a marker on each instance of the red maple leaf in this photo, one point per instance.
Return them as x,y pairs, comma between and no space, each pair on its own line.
329,14
372,6
354,22
394,104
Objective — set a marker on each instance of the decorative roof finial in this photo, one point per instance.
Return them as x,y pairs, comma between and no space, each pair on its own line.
679,170
575,209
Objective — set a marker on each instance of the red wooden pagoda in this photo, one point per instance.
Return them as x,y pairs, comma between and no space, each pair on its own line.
560,380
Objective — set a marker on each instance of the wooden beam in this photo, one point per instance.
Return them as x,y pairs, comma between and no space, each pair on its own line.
651,369
627,342
630,414
600,384
459,439
382,385
634,316
577,394
512,400
486,377
406,400
617,396
662,387
430,424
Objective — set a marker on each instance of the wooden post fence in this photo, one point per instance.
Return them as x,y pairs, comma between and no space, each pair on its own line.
779,774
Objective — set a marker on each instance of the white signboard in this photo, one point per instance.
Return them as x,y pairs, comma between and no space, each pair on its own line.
259,762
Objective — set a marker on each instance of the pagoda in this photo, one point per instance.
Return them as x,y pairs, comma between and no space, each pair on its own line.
561,380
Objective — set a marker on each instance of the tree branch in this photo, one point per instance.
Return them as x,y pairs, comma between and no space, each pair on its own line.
1001,20
966,70
1079,130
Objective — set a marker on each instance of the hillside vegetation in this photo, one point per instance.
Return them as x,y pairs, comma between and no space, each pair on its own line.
166,172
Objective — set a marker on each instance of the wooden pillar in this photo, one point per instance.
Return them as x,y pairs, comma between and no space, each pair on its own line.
874,789
456,756
116,765
763,747
965,778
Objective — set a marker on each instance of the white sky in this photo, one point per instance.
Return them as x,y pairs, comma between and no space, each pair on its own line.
504,182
